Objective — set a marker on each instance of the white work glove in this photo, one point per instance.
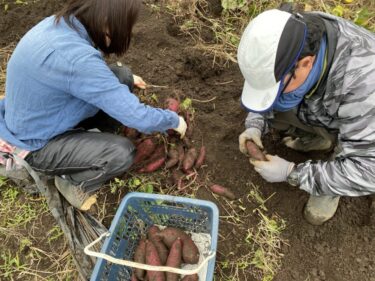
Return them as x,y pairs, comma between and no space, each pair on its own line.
276,169
252,134
138,82
182,126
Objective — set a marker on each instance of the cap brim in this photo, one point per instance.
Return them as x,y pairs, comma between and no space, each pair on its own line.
259,100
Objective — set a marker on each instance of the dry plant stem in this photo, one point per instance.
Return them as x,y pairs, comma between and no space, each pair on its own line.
204,101
156,86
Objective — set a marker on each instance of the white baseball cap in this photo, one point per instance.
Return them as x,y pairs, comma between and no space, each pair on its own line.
268,50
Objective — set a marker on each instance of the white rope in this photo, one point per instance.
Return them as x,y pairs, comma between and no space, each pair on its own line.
141,265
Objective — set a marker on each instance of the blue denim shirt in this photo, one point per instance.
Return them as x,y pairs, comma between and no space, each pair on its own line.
56,78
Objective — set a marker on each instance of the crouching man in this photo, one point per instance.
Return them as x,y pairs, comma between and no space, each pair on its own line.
312,75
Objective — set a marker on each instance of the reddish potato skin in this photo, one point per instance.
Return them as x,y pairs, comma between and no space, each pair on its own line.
193,277
190,252
174,259
170,234
144,150
160,247
181,154
153,166
133,278
201,157
254,151
152,258
178,179
173,158
223,191
189,159
139,256
172,104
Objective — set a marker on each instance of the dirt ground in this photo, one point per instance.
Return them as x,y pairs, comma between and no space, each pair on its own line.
343,249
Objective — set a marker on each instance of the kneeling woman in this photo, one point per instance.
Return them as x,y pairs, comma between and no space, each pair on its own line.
58,86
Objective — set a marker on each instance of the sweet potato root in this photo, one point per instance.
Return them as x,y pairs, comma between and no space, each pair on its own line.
190,252
153,166
144,150
193,277
174,259
160,247
189,123
172,104
201,157
189,159
178,179
152,258
223,191
173,158
139,256
254,151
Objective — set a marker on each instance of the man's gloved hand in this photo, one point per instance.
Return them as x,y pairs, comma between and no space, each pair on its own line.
276,169
138,82
253,134
182,126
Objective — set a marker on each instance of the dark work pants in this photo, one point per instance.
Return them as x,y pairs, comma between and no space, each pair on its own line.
87,158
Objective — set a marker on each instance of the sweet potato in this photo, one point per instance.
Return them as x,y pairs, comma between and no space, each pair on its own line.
181,154
189,159
178,179
139,256
174,259
193,277
156,160
223,191
189,130
160,247
170,234
152,258
201,157
173,158
144,150
190,252
153,166
134,278
254,151
172,104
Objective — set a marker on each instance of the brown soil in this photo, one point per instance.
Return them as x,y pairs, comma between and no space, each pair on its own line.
343,249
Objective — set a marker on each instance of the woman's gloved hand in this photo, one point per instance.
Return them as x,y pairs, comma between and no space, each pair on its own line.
138,82
182,126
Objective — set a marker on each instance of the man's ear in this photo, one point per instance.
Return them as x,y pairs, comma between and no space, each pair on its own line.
307,62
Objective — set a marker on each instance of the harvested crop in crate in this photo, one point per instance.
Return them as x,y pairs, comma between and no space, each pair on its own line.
174,259
152,258
159,245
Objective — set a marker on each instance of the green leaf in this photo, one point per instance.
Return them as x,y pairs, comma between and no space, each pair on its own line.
362,17
186,104
338,11
154,97
233,4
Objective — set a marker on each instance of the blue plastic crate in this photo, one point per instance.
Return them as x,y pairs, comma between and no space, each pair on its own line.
139,211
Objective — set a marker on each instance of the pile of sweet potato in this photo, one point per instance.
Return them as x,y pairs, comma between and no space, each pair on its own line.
179,156
168,247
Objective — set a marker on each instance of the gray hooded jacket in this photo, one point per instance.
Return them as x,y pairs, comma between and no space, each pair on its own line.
344,103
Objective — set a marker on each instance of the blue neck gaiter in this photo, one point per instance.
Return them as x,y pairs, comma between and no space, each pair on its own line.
287,101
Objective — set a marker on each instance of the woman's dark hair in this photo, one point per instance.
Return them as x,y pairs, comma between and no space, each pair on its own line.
114,18
315,31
